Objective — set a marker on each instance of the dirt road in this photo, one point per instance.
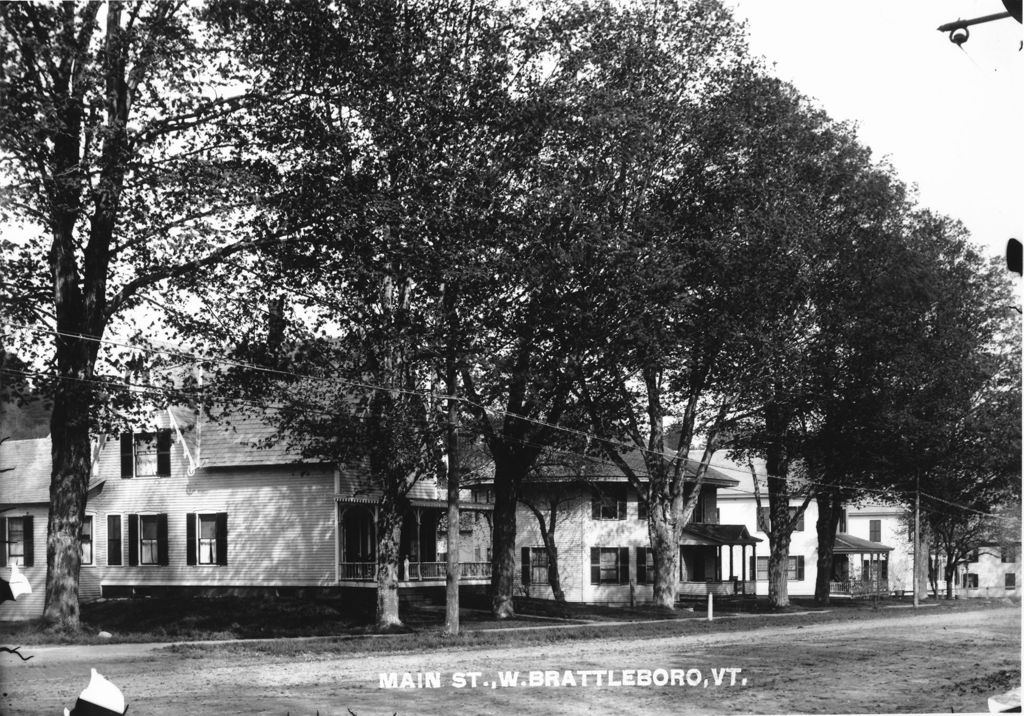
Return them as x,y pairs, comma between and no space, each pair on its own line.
921,662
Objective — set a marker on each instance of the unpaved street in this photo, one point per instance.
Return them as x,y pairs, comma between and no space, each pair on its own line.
921,662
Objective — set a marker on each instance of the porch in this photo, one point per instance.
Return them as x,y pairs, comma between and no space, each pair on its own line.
707,561
722,588
416,572
860,567
422,544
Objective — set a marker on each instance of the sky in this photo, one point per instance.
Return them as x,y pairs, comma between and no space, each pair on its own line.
943,116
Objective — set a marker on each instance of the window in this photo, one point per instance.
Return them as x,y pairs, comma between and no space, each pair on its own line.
1008,554
642,513
970,580
146,454
87,540
794,571
609,503
973,555
760,569
148,543
609,565
114,540
207,538
535,565
644,565
147,540
1010,580
17,533
875,530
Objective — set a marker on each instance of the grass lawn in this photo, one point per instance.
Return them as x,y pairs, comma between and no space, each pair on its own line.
271,623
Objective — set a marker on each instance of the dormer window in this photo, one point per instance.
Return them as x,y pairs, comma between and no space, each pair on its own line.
146,454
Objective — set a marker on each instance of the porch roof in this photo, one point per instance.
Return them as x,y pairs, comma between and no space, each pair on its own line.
717,535
848,544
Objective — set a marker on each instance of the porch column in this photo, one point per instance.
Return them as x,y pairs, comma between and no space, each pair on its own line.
753,577
419,573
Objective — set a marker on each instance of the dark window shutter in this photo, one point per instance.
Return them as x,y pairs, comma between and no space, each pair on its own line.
595,565
595,509
163,453
133,540
622,509
641,565
623,565
526,565
162,550
190,539
763,520
127,456
30,547
114,540
222,538
3,536
752,573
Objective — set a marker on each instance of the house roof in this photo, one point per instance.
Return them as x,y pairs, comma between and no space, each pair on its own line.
717,535
560,467
26,479
241,440
848,544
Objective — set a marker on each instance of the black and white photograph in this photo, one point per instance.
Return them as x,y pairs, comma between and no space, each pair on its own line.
397,357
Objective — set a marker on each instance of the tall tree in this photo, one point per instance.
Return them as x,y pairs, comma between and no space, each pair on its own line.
411,117
113,158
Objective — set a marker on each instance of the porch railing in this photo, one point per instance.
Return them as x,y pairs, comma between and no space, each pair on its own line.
724,588
858,587
417,571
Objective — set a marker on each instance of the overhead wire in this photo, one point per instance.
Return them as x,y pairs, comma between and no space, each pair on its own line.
198,359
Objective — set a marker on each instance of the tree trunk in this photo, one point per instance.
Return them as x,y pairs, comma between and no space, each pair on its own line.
451,609
829,511
507,478
389,533
665,546
777,468
69,484
553,577
778,573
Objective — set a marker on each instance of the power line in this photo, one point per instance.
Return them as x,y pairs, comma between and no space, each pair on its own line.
426,395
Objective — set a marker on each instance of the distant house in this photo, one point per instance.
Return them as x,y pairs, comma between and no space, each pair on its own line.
188,504
992,570
601,536
872,550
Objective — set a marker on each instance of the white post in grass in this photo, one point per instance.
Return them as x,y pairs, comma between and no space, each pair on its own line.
711,607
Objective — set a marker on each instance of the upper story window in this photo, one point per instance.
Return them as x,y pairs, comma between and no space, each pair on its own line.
764,519
1008,554
875,530
609,503
146,454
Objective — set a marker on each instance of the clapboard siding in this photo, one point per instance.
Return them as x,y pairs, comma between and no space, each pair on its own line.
280,526
30,606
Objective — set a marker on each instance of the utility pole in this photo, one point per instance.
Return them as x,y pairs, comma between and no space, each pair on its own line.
917,530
